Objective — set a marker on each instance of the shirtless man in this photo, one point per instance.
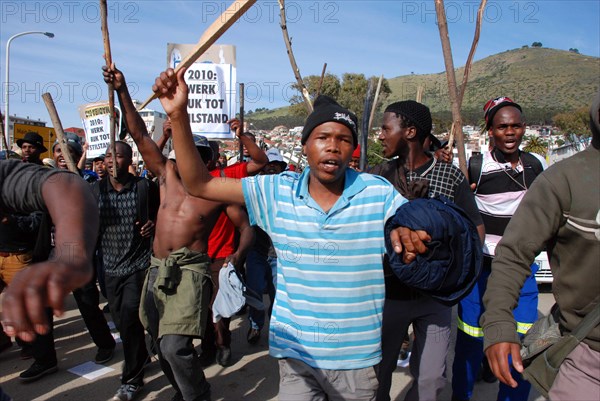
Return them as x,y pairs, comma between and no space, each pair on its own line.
180,261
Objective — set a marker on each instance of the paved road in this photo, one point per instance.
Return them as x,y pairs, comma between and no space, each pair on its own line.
253,376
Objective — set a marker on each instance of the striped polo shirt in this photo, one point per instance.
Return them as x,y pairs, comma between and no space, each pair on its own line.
499,191
330,289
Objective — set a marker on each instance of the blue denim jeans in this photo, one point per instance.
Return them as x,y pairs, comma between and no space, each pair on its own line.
261,275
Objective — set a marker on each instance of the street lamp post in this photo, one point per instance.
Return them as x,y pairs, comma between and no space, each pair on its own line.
6,117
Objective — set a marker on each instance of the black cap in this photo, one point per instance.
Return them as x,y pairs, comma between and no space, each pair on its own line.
325,110
34,139
416,112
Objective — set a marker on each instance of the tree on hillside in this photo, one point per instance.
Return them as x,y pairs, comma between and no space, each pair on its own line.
354,91
573,50
331,87
535,145
575,123
350,91
536,44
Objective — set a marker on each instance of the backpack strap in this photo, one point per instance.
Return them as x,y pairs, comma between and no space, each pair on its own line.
532,161
474,170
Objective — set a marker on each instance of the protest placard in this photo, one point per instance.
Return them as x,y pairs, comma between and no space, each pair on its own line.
95,118
212,84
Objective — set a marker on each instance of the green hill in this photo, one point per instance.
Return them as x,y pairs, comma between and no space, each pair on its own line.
544,81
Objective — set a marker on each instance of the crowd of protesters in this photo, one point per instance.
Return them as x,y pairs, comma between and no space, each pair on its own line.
166,253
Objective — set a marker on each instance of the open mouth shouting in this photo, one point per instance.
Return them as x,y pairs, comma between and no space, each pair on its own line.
61,162
330,166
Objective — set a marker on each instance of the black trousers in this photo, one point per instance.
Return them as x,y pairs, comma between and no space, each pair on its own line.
87,299
124,294
43,350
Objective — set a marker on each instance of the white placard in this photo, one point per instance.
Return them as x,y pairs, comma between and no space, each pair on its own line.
211,98
212,85
95,118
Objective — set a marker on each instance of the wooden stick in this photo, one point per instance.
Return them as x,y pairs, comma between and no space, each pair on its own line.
60,134
288,46
364,139
472,52
321,81
111,89
452,89
241,148
210,36
375,100
419,94
468,65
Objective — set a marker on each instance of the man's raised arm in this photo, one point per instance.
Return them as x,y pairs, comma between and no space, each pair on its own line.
258,156
152,155
173,95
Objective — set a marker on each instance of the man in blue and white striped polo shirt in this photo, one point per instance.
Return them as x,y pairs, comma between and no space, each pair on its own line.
327,229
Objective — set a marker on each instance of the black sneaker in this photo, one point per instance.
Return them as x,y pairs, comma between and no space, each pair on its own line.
253,336
127,392
224,356
37,370
104,355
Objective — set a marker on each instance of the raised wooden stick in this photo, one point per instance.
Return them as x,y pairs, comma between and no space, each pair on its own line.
419,94
242,111
288,46
111,89
60,134
456,97
321,80
472,51
452,89
210,36
468,65
375,100
364,138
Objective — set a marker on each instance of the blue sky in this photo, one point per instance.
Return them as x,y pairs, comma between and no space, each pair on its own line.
372,37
